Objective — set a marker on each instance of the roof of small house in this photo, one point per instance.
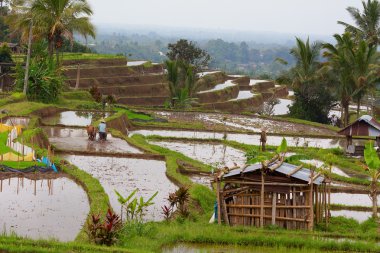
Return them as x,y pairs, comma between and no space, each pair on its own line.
363,126
285,169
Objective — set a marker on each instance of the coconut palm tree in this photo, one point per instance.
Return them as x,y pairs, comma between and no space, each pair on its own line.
53,20
367,23
307,64
60,19
354,68
181,79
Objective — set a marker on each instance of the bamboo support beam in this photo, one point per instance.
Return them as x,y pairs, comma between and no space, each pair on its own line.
267,184
268,217
294,171
267,207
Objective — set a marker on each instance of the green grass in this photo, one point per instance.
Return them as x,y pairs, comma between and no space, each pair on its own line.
133,114
90,56
77,95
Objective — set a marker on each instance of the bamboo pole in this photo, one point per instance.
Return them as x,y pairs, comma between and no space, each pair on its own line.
262,200
311,210
274,202
218,200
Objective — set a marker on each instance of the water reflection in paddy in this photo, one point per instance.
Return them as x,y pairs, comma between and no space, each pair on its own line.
208,153
42,208
77,139
216,248
125,175
17,121
75,118
360,216
252,139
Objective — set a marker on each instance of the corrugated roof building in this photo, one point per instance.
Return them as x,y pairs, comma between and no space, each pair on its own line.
272,193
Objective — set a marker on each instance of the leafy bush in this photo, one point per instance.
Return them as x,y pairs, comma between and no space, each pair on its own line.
95,93
104,233
180,199
45,81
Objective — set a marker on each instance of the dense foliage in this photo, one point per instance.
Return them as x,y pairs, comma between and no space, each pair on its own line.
188,53
45,81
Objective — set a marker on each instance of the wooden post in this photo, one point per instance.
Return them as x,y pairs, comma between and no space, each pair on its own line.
219,201
317,205
311,208
328,203
274,203
78,77
225,214
294,209
262,200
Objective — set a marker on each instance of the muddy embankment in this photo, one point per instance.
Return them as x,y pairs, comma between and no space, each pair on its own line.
130,80
218,95
142,90
96,62
237,106
243,82
210,81
94,72
143,101
120,123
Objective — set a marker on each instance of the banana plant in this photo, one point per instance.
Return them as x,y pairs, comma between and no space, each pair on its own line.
373,166
123,201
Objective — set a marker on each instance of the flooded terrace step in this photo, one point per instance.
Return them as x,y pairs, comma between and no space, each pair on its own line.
141,90
113,154
121,80
143,101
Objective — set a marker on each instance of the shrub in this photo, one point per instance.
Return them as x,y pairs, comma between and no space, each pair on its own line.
104,233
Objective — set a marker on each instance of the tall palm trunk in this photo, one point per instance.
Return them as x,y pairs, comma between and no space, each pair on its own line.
374,198
358,107
346,112
51,48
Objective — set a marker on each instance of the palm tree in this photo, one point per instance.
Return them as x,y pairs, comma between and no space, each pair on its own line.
181,79
307,64
60,19
365,71
367,23
53,20
354,69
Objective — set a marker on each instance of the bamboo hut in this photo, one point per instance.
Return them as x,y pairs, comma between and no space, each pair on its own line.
365,127
272,193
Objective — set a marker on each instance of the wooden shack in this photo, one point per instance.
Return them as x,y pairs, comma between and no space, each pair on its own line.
365,127
272,193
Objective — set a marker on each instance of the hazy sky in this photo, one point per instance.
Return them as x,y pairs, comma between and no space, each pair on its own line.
287,16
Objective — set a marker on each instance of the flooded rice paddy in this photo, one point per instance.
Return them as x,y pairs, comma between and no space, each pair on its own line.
17,121
125,175
228,83
360,216
135,63
217,155
319,164
252,139
75,118
241,122
42,208
217,248
77,140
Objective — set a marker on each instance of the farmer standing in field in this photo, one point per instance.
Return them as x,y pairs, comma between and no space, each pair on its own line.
263,139
102,130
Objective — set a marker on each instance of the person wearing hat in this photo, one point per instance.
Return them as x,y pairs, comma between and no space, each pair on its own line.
102,130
